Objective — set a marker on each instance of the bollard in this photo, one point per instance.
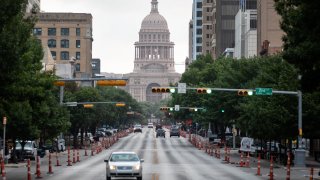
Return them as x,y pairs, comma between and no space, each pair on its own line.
311,173
73,156
288,167
29,170
38,172
225,153
259,165
69,160
271,168
57,157
3,170
78,156
50,167
218,152
85,151
241,159
92,150
248,160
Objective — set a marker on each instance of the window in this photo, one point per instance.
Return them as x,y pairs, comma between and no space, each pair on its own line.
253,24
199,13
199,49
52,31
64,43
78,67
199,31
64,31
54,55
77,43
78,31
37,31
77,55
52,43
199,4
199,22
64,55
199,40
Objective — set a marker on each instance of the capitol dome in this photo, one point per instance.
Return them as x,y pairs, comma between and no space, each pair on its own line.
154,21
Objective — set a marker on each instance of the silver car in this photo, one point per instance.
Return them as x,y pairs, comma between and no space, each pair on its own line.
124,164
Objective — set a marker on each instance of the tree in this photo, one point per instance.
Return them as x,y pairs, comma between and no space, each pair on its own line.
301,39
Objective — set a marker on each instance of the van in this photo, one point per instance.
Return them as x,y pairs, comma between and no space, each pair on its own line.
247,145
30,149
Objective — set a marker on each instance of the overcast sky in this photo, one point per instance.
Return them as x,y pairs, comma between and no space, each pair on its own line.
116,24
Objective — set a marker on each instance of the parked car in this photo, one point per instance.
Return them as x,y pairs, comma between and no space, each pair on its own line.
161,133
174,131
29,150
124,164
87,137
137,128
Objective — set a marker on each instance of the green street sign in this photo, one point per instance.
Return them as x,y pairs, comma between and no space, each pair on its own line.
264,91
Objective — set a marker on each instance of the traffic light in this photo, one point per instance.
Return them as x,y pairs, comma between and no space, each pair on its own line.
111,82
59,83
88,105
163,90
193,109
245,92
166,108
204,90
120,104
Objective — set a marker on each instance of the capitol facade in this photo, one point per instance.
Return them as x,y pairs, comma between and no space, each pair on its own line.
154,59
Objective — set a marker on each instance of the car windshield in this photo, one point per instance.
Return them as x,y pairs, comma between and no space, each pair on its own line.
28,144
124,157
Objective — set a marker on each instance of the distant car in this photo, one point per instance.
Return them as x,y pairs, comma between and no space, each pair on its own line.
174,131
137,128
124,164
150,125
87,137
161,133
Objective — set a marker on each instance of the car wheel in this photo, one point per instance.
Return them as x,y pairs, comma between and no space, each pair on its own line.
108,178
139,178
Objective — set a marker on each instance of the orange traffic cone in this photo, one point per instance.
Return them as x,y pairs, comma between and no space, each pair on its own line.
3,173
50,167
271,168
29,170
248,160
38,172
78,156
311,173
288,167
73,156
69,160
241,159
259,166
58,162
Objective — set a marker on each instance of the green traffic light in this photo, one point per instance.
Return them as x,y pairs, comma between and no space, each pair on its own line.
222,110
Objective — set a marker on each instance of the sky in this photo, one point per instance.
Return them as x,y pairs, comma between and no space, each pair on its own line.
116,24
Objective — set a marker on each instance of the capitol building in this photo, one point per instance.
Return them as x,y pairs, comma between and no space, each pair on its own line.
154,59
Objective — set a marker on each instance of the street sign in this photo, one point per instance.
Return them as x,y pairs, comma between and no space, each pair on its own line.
176,107
182,88
263,91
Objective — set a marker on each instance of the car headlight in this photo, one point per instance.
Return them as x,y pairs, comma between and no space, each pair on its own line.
137,167
112,167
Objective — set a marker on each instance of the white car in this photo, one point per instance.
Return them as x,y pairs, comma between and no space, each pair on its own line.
123,164
150,125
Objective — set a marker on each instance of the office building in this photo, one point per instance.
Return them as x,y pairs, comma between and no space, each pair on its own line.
69,38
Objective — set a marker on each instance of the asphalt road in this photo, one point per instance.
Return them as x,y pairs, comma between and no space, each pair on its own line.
164,159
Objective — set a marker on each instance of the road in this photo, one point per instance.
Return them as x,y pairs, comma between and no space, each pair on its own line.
165,158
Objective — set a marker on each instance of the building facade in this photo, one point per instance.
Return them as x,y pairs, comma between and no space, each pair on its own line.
196,29
268,28
207,26
246,30
69,38
154,59
33,5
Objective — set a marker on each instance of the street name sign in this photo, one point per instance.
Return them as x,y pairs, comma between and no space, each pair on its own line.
264,91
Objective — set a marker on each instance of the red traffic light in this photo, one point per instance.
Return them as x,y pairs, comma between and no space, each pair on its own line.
203,91
244,92
162,90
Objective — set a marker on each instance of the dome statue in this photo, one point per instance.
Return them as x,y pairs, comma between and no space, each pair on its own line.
154,21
